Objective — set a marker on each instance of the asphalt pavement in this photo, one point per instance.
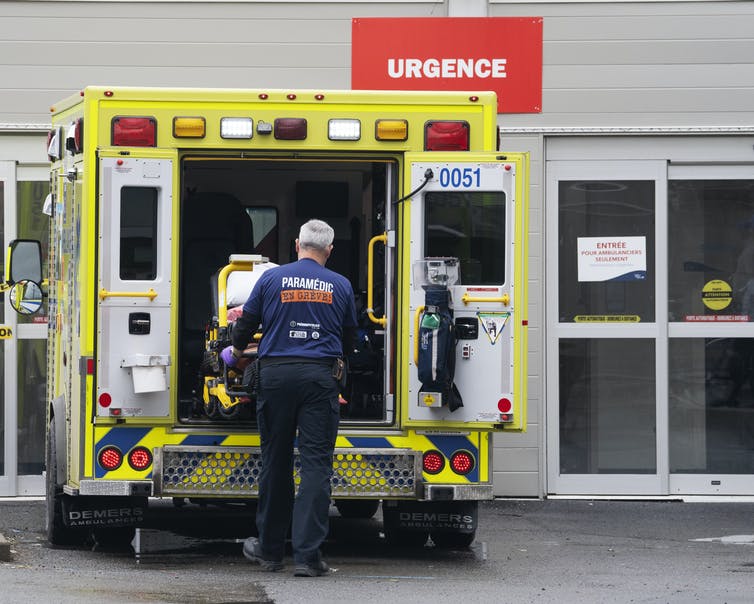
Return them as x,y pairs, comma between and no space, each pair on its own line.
561,551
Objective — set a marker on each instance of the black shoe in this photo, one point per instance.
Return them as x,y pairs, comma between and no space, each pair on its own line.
311,570
253,551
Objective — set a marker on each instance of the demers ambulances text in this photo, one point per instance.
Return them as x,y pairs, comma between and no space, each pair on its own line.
447,68
106,517
436,520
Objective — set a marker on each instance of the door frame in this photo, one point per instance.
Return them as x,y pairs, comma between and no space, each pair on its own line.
604,484
11,483
709,483
8,480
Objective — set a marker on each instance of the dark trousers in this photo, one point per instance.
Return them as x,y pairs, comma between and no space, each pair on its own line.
304,398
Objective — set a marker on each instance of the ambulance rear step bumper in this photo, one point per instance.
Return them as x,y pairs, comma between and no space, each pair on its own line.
185,471
458,492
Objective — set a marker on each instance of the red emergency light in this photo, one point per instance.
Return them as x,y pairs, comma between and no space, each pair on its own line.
139,458
110,458
446,136
290,128
462,462
433,462
134,132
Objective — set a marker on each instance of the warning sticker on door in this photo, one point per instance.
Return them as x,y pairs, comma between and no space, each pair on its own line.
493,323
717,294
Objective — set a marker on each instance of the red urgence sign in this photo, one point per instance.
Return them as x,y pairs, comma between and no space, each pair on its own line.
503,54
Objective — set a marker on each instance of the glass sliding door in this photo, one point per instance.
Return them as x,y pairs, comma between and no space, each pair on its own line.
711,329
23,352
604,432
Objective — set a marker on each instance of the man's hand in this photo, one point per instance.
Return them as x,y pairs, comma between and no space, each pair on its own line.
228,357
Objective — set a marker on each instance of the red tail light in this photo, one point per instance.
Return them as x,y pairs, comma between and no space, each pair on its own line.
134,132
446,136
139,458
433,462
110,458
462,462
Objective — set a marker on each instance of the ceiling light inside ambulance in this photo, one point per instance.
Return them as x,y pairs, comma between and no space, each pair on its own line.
134,132
290,128
391,130
188,127
344,130
446,136
236,127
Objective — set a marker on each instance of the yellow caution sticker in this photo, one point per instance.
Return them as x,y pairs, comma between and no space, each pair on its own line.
5,332
717,294
607,319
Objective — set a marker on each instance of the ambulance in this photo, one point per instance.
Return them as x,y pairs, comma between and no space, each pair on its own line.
166,203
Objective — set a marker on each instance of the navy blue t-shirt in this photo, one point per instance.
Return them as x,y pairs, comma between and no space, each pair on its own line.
302,306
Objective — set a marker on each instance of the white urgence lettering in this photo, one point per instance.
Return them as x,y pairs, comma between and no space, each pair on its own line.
447,68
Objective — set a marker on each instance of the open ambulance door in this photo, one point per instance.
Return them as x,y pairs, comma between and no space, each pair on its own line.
133,355
465,230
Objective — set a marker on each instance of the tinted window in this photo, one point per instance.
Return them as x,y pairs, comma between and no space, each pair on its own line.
470,227
138,234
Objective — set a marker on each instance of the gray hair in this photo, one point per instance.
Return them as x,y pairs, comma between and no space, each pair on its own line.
315,235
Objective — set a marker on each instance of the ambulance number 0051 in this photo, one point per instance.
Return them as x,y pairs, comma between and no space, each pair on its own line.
460,177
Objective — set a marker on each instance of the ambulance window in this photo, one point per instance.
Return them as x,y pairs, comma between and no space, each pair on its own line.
138,233
469,226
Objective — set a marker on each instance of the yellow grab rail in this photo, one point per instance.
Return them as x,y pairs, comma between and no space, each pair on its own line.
505,299
222,286
417,316
370,280
150,293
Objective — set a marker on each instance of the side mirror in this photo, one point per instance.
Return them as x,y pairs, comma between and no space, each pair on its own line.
24,261
26,297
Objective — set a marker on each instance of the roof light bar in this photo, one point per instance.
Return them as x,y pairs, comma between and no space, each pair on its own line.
391,130
344,130
134,132
189,127
446,136
290,128
236,127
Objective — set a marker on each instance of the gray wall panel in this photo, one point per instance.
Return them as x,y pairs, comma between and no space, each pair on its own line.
642,64
49,50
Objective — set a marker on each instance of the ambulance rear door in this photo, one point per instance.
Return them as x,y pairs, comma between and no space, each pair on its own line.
133,357
470,217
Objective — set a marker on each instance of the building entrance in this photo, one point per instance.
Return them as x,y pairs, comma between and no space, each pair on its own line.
651,372
23,343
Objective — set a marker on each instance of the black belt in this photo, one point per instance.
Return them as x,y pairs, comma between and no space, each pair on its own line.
269,361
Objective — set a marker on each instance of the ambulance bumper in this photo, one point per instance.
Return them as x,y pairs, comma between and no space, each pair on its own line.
140,488
458,492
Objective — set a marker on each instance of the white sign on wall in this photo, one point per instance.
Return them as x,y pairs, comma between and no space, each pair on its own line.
612,258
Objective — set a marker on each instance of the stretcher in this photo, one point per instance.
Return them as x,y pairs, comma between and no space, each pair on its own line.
227,392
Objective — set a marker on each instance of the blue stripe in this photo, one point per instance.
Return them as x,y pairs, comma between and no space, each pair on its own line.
366,442
203,440
123,438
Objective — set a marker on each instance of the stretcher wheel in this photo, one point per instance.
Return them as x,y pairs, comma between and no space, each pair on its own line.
228,412
211,407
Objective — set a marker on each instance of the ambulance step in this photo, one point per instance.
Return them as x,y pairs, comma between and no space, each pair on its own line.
234,471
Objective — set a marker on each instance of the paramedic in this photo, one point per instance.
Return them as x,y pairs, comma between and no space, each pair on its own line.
308,317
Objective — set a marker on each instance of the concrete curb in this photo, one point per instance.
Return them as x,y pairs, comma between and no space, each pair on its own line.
4,549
